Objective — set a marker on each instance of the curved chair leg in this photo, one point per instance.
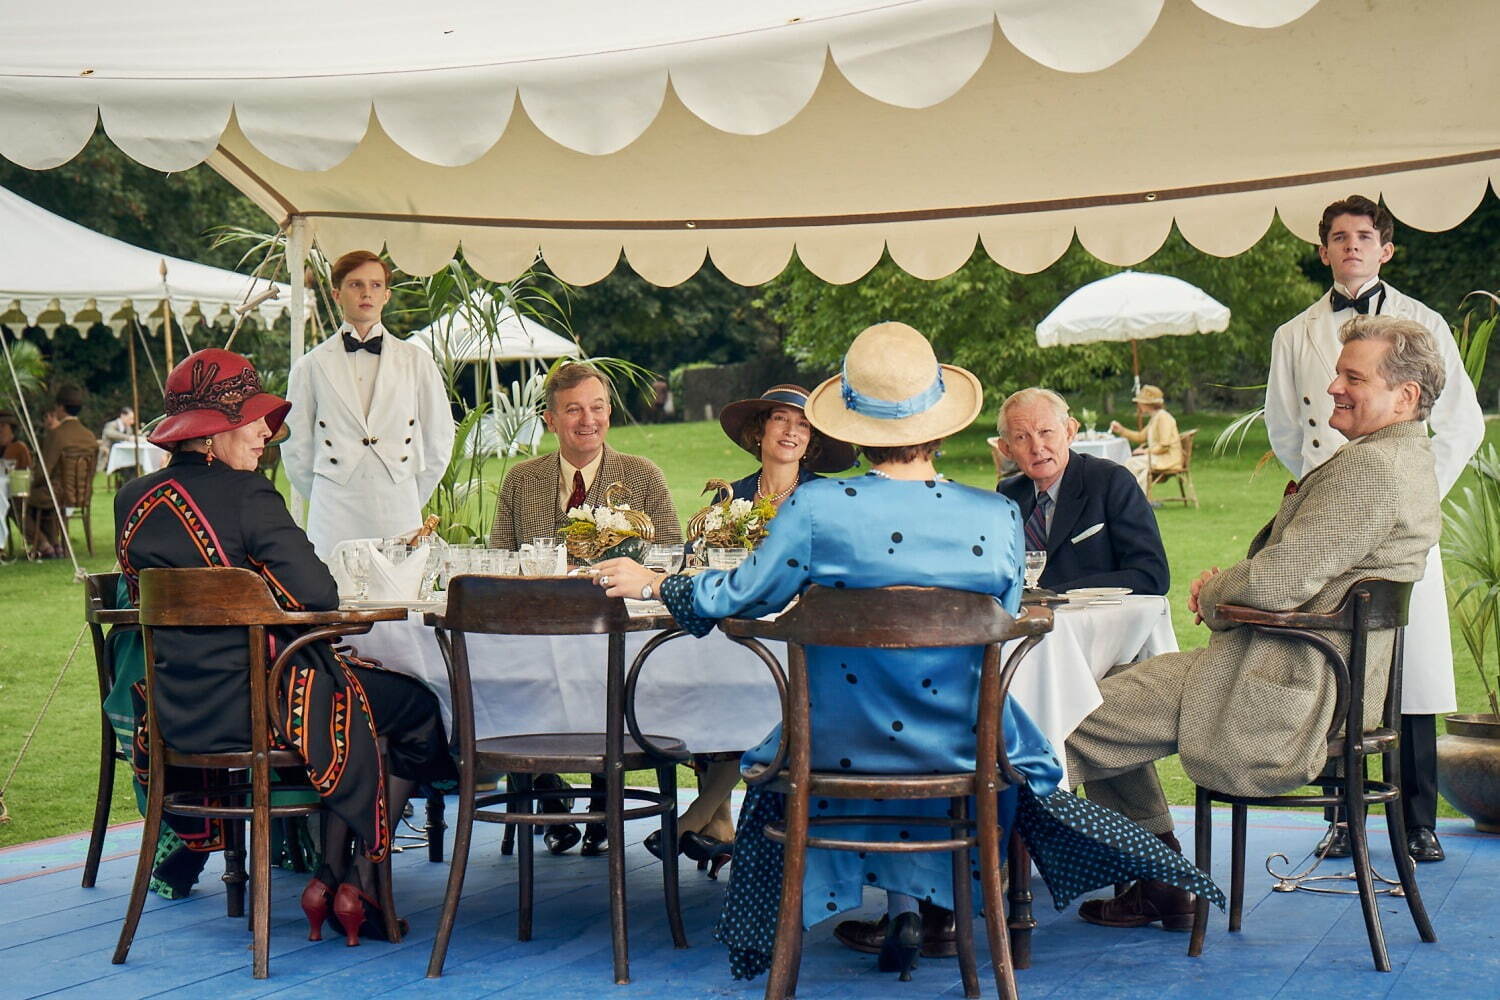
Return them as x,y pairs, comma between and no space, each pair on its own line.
963,903
992,886
102,798
525,867
150,834
1203,852
1359,848
781,981
1239,812
260,878
1406,871
463,833
666,781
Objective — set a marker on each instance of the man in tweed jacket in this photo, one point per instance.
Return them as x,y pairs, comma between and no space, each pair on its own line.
1249,713
536,494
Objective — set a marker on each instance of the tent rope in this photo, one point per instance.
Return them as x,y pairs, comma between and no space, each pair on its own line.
78,572
140,332
37,723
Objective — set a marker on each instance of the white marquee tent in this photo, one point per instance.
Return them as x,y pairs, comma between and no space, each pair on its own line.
677,130
452,337
53,272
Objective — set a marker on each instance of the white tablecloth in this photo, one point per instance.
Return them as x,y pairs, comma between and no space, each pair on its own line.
716,696
122,456
1116,449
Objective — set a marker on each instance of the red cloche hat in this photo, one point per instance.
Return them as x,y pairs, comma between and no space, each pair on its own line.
213,391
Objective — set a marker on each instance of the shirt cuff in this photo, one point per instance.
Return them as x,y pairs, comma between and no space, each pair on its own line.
677,595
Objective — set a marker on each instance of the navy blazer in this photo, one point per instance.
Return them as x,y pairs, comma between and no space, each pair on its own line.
1124,551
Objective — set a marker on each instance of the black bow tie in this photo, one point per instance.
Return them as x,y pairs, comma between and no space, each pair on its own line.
1360,303
353,343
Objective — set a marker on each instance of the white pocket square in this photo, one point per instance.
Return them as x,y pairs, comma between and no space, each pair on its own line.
1087,533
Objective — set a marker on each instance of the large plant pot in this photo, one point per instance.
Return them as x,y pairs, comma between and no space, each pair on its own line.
1469,768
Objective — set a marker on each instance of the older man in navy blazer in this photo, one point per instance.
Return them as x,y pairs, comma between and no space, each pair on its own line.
1087,513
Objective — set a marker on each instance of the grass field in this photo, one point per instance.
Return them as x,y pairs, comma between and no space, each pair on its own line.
53,789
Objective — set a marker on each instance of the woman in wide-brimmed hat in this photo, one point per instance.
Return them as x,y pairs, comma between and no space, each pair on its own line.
894,711
210,507
773,428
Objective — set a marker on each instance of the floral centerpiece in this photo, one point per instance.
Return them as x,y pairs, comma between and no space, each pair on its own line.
730,523
607,531
1088,418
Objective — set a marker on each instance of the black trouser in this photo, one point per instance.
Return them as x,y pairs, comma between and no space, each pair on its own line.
1418,772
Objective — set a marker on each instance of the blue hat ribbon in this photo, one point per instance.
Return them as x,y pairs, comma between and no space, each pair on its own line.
888,409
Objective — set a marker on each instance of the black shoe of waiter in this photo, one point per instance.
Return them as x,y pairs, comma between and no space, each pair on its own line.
1335,843
595,840
1422,844
559,837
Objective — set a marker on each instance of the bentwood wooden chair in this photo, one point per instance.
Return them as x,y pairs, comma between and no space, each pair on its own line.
76,491
480,605
896,618
100,612
1184,476
230,597
1370,605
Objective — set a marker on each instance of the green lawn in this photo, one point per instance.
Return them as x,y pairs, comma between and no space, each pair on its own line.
53,791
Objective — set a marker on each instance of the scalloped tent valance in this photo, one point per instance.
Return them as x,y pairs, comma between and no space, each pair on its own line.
55,273
686,130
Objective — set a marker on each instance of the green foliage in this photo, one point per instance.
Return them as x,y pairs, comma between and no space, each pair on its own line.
984,318
30,376
1474,339
1471,545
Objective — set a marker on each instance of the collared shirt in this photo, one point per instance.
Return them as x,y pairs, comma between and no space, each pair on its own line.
363,366
565,480
1356,294
1051,491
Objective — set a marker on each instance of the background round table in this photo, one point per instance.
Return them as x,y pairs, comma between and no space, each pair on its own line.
122,456
1116,449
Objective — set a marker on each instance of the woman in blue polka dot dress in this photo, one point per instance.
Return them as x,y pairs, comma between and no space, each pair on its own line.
873,711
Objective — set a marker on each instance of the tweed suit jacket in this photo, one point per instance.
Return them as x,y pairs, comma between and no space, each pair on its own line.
527,506
1256,709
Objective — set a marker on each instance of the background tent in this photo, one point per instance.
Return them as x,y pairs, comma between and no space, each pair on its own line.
1132,306
55,272
684,129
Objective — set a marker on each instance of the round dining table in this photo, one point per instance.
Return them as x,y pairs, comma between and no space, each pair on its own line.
1100,445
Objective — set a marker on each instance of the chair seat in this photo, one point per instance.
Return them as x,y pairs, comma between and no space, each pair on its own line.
535,753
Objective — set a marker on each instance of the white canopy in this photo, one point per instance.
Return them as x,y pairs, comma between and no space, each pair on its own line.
672,130
53,272
515,339
1131,306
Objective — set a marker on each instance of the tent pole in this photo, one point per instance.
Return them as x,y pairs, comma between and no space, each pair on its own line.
296,260
166,314
135,400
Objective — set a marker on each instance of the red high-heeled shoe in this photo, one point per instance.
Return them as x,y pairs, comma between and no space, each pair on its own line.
317,900
360,916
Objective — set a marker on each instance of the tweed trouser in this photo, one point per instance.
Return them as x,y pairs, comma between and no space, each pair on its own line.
1113,751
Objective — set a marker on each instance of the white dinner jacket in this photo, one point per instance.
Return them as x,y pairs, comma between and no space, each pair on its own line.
409,429
1303,355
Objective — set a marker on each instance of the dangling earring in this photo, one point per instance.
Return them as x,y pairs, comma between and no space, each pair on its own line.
210,442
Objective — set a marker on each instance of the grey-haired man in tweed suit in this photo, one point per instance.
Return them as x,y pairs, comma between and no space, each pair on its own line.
1249,714
537,494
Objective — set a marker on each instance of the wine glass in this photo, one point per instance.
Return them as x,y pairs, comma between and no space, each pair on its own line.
538,562
357,565
1036,561
663,557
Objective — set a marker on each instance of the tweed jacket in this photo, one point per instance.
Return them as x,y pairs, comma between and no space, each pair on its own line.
1255,709
66,436
527,506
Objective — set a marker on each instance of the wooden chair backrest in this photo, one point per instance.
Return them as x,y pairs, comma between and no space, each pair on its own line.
1187,448
207,597
496,605
75,483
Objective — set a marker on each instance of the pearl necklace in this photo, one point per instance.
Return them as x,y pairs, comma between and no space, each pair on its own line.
775,498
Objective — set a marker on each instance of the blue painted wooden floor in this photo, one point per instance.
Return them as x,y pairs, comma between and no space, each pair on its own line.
56,938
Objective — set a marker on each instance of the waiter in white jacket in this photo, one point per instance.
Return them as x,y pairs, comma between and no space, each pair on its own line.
1356,236
371,429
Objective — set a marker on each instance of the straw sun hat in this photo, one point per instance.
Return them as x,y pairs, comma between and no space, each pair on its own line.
1149,394
893,392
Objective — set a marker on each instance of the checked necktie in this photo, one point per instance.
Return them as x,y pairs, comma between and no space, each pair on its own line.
575,499
1036,524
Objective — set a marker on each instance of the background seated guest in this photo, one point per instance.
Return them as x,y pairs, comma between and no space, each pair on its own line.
1087,513
537,494
1249,714
1160,445
838,533
209,507
122,428
775,430
12,448
64,432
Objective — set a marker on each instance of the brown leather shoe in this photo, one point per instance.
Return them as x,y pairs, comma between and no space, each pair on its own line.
939,938
1145,902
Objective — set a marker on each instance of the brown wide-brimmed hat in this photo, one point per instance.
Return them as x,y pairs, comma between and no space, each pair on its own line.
213,391
894,393
834,455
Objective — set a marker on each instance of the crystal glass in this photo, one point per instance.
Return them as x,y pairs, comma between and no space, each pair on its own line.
664,557
356,559
726,558
538,562
1036,561
505,562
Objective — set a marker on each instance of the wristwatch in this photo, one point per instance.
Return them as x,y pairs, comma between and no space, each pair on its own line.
646,592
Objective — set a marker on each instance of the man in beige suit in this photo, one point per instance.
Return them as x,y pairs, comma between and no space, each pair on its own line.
1249,714
538,493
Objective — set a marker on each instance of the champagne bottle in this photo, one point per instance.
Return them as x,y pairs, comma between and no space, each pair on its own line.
427,528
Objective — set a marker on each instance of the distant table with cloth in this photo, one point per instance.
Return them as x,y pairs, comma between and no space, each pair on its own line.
716,696
1116,449
122,455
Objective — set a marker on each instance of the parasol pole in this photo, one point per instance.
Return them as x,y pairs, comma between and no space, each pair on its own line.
166,312
135,398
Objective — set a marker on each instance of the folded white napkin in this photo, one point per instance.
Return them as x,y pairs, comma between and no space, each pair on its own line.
396,583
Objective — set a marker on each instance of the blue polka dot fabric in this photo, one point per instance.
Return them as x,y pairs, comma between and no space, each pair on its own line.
1078,846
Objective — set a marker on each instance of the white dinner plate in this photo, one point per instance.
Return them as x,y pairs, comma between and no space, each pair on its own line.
1099,591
